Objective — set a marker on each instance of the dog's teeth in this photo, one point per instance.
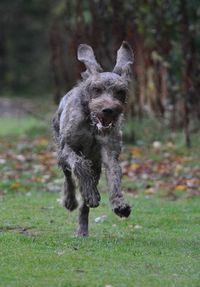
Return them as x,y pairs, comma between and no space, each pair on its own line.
99,125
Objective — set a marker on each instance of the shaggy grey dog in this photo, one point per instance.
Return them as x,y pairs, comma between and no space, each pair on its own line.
87,132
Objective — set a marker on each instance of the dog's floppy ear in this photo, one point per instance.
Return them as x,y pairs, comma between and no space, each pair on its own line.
86,55
125,59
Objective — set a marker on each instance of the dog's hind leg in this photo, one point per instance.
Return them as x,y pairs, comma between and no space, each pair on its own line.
83,220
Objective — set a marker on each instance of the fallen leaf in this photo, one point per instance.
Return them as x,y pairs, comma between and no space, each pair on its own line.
134,166
136,152
181,187
16,185
178,168
41,141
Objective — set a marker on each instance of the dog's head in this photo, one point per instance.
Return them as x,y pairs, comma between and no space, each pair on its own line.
106,92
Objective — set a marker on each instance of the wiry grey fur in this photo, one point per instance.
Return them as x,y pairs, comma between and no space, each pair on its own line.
87,132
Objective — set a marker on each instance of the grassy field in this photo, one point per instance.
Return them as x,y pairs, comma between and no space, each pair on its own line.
157,246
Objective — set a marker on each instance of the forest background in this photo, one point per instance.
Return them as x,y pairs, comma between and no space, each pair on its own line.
39,39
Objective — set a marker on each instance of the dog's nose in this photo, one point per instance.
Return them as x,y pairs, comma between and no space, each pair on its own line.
107,111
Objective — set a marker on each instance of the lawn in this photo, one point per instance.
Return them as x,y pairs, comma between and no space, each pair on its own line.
158,245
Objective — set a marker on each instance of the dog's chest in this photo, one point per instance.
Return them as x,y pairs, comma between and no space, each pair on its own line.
84,142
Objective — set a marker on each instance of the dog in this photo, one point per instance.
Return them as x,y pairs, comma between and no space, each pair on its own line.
87,132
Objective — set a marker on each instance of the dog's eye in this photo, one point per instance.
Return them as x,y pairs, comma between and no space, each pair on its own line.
97,90
121,95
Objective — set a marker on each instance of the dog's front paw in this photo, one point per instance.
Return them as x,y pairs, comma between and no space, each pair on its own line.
92,198
122,210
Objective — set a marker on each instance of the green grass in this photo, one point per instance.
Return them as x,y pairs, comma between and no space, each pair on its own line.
147,130
38,247
21,126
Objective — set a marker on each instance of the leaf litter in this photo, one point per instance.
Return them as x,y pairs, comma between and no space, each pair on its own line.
27,164
161,171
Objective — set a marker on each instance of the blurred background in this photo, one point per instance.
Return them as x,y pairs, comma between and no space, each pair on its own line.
38,64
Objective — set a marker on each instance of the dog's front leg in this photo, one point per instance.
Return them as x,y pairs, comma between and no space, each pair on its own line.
82,169
114,175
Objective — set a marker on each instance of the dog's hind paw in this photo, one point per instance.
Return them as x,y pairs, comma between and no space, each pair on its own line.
81,232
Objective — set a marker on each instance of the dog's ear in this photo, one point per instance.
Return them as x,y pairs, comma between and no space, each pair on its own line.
125,59
86,55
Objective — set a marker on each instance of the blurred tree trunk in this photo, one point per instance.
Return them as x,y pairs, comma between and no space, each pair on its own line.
187,68
160,80
119,22
78,33
55,58
58,61
140,69
2,54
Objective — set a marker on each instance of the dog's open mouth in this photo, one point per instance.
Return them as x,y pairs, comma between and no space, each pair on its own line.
104,124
